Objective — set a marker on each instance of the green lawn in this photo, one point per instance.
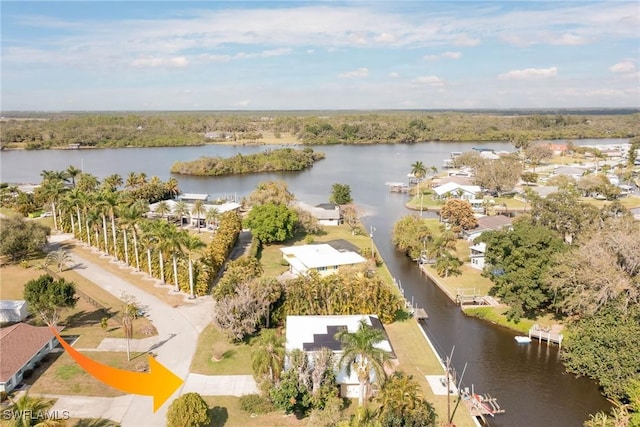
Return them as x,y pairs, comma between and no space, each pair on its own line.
236,358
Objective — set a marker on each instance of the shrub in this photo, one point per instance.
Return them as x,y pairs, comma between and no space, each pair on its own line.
189,410
255,404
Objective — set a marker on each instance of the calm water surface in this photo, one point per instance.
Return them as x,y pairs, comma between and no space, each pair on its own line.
528,380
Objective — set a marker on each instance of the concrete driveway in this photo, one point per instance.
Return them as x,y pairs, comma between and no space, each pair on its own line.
178,330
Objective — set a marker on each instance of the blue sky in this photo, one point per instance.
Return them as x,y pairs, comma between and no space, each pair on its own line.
206,55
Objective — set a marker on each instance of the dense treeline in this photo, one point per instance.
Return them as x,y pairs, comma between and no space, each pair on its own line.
285,159
174,129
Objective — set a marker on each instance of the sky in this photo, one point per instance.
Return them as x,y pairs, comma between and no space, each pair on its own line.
273,55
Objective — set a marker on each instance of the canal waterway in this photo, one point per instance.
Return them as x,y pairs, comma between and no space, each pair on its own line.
529,380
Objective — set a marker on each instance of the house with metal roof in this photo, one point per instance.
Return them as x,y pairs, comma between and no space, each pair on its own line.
22,346
322,258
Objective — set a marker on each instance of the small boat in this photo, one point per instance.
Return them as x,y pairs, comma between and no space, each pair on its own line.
522,339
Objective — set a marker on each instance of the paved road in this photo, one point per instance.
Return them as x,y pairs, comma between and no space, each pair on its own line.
178,330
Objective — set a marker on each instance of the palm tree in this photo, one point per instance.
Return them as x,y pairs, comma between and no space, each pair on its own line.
149,240
212,215
173,240
181,210
361,354
171,187
163,208
419,171
129,218
111,201
198,209
75,197
132,180
268,359
191,244
27,407
53,188
402,398
92,219
112,182
59,258
161,230
73,172
101,207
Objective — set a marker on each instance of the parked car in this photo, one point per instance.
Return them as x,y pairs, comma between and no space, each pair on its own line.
46,214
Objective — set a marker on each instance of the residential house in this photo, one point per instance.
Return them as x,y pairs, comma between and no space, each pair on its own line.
488,223
311,333
452,189
326,213
12,311
477,255
22,346
323,258
191,218
572,171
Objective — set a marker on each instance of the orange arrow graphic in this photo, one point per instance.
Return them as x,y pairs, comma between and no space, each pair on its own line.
160,382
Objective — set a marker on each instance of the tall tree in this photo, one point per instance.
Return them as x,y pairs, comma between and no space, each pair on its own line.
181,210
49,297
340,194
410,234
53,189
268,358
516,261
419,171
360,354
73,172
275,192
163,208
198,209
191,245
271,222
459,214
20,239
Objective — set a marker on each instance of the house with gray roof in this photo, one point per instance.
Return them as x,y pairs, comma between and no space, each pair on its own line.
326,213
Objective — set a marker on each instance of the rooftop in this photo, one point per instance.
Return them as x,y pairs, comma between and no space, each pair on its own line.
18,344
321,255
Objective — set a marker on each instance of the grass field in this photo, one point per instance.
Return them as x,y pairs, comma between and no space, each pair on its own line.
236,358
84,319
60,374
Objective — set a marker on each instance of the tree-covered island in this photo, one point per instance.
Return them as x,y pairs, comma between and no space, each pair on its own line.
284,159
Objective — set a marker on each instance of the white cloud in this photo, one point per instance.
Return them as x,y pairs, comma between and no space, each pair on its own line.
355,74
429,80
385,38
243,103
623,67
445,55
569,39
465,40
153,62
394,75
529,74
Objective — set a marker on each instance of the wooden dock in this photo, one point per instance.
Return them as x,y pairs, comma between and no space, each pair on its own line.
549,334
481,406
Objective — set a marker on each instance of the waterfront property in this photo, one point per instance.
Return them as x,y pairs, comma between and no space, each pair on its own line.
488,223
323,258
22,346
311,333
326,213
189,217
452,189
477,255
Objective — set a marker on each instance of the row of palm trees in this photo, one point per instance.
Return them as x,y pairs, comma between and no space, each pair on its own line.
111,221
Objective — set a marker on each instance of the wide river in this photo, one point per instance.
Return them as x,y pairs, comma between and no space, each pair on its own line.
529,381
